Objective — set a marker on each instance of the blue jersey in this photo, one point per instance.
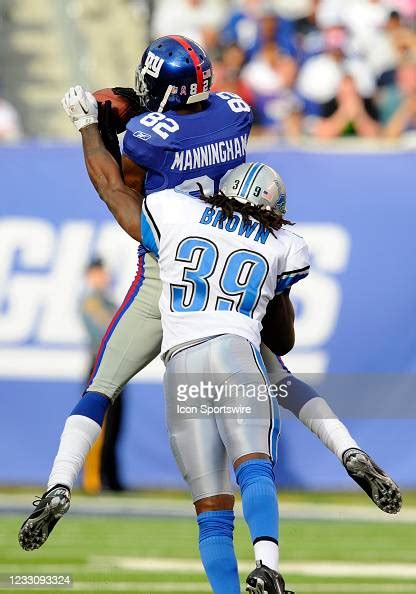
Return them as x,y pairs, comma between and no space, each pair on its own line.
180,151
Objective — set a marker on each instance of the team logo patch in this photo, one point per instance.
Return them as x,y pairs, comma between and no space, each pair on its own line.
142,135
153,64
281,203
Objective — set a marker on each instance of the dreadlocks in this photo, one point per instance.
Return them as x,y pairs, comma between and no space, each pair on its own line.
268,219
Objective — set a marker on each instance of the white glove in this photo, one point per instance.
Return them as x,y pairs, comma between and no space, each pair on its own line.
81,107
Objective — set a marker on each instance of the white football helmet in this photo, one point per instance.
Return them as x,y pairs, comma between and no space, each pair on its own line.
257,184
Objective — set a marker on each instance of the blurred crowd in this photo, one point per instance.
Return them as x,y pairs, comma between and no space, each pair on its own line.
322,68
318,68
10,126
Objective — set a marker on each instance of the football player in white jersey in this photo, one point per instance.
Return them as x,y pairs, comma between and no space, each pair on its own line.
224,260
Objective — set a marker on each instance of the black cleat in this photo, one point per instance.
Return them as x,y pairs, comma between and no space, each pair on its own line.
49,510
373,480
264,580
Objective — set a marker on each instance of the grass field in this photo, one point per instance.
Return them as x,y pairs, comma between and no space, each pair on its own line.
152,555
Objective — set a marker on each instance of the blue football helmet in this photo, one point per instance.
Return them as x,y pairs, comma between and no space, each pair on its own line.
173,71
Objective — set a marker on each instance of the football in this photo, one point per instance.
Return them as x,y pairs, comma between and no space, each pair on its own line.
121,107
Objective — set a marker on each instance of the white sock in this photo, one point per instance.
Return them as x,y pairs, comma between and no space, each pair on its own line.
77,439
267,552
319,417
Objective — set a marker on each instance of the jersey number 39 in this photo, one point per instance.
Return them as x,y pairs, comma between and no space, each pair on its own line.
241,280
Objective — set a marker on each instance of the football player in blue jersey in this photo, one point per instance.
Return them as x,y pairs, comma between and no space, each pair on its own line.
191,137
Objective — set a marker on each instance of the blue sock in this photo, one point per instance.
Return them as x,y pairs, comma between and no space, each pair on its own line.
258,493
217,551
94,406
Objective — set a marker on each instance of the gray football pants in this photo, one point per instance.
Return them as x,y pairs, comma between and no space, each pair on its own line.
218,409
134,336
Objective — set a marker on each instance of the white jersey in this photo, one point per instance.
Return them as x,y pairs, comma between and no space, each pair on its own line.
217,276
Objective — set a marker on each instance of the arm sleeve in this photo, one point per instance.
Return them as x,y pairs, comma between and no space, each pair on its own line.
296,267
150,230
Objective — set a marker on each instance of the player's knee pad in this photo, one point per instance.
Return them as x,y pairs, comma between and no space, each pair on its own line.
204,469
258,493
108,389
210,484
94,406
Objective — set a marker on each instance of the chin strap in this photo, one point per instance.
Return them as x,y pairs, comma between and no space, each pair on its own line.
165,98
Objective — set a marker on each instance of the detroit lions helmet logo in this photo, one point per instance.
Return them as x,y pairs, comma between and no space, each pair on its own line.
281,203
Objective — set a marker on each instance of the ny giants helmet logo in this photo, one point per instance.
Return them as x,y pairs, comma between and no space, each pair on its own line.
153,64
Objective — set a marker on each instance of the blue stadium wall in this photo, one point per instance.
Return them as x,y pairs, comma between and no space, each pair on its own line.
355,314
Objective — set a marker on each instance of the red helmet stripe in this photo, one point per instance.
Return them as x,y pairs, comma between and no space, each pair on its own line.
199,75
